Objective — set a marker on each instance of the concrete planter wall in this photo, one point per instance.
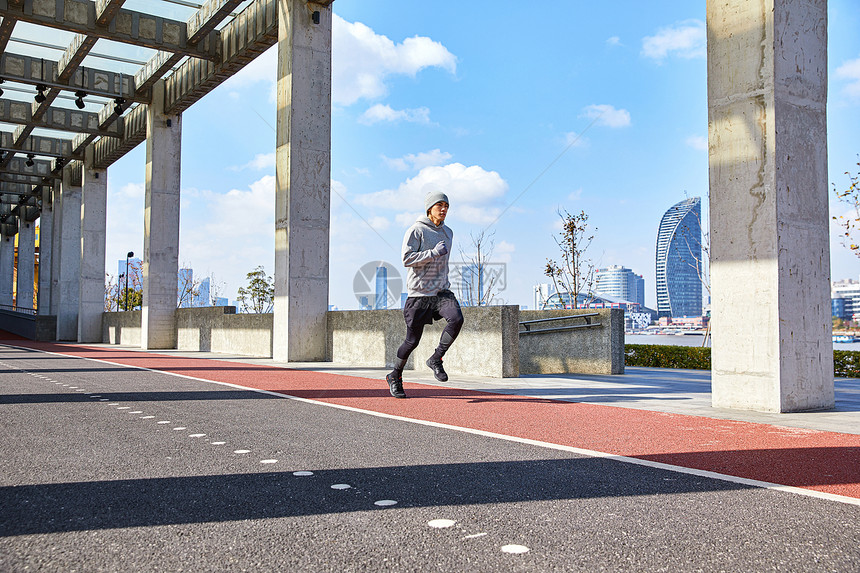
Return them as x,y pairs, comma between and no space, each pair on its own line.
487,345
593,350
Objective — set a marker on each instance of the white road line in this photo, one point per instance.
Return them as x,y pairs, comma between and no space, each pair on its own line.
548,445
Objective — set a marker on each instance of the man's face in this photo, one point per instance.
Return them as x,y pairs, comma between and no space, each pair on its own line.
438,212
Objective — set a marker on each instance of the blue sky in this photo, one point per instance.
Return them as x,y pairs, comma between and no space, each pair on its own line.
516,110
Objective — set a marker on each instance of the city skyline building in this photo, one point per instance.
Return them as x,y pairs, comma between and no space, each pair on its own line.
679,259
845,298
381,288
620,283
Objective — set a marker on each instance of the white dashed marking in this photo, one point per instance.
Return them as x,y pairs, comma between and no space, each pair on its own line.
241,451
146,417
302,474
164,422
441,523
124,408
474,536
136,412
268,461
217,443
385,502
196,435
341,486
114,404
514,549
179,428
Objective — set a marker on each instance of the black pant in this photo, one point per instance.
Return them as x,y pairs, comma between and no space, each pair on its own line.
419,311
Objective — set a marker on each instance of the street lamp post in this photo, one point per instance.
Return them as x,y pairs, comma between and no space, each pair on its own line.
128,255
118,286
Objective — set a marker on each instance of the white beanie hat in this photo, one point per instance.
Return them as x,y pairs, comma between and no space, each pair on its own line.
434,197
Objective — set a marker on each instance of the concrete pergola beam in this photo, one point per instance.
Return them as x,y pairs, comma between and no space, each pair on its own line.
127,26
35,71
59,119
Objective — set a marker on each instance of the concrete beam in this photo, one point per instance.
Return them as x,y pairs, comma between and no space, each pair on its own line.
39,145
770,263
59,119
34,71
128,27
302,183
108,150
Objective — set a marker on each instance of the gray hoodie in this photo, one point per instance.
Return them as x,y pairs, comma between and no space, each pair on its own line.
427,273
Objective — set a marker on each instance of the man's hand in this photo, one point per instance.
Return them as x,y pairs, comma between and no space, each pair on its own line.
440,249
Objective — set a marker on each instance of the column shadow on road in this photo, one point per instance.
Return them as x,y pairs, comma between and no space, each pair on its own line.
146,502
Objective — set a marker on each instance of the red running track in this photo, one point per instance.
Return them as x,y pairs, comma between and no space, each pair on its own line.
822,461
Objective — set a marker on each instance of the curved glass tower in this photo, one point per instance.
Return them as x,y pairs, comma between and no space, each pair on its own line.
679,255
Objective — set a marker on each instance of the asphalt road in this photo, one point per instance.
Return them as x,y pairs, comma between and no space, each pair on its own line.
107,468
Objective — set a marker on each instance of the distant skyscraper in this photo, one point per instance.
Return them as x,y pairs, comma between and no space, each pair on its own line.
679,254
202,298
621,283
381,288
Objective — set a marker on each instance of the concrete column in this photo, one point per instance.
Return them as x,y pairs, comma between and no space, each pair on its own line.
46,247
68,280
303,181
56,245
91,303
770,265
26,262
161,224
7,269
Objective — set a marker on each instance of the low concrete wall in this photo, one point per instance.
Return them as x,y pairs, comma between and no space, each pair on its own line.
594,350
487,345
220,329
207,329
35,327
121,328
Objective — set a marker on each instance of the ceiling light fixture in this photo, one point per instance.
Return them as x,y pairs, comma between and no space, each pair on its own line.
79,102
30,162
117,105
1,89
40,97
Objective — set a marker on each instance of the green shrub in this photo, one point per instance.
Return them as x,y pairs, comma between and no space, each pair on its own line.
666,356
846,363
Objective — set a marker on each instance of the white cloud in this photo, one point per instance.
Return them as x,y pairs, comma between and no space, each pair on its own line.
363,59
850,70
607,115
573,139
417,161
685,39
697,142
575,195
260,161
473,192
228,234
614,41
380,112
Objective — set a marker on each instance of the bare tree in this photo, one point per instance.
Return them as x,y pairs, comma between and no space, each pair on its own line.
189,288
850,222
574,273
478,284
